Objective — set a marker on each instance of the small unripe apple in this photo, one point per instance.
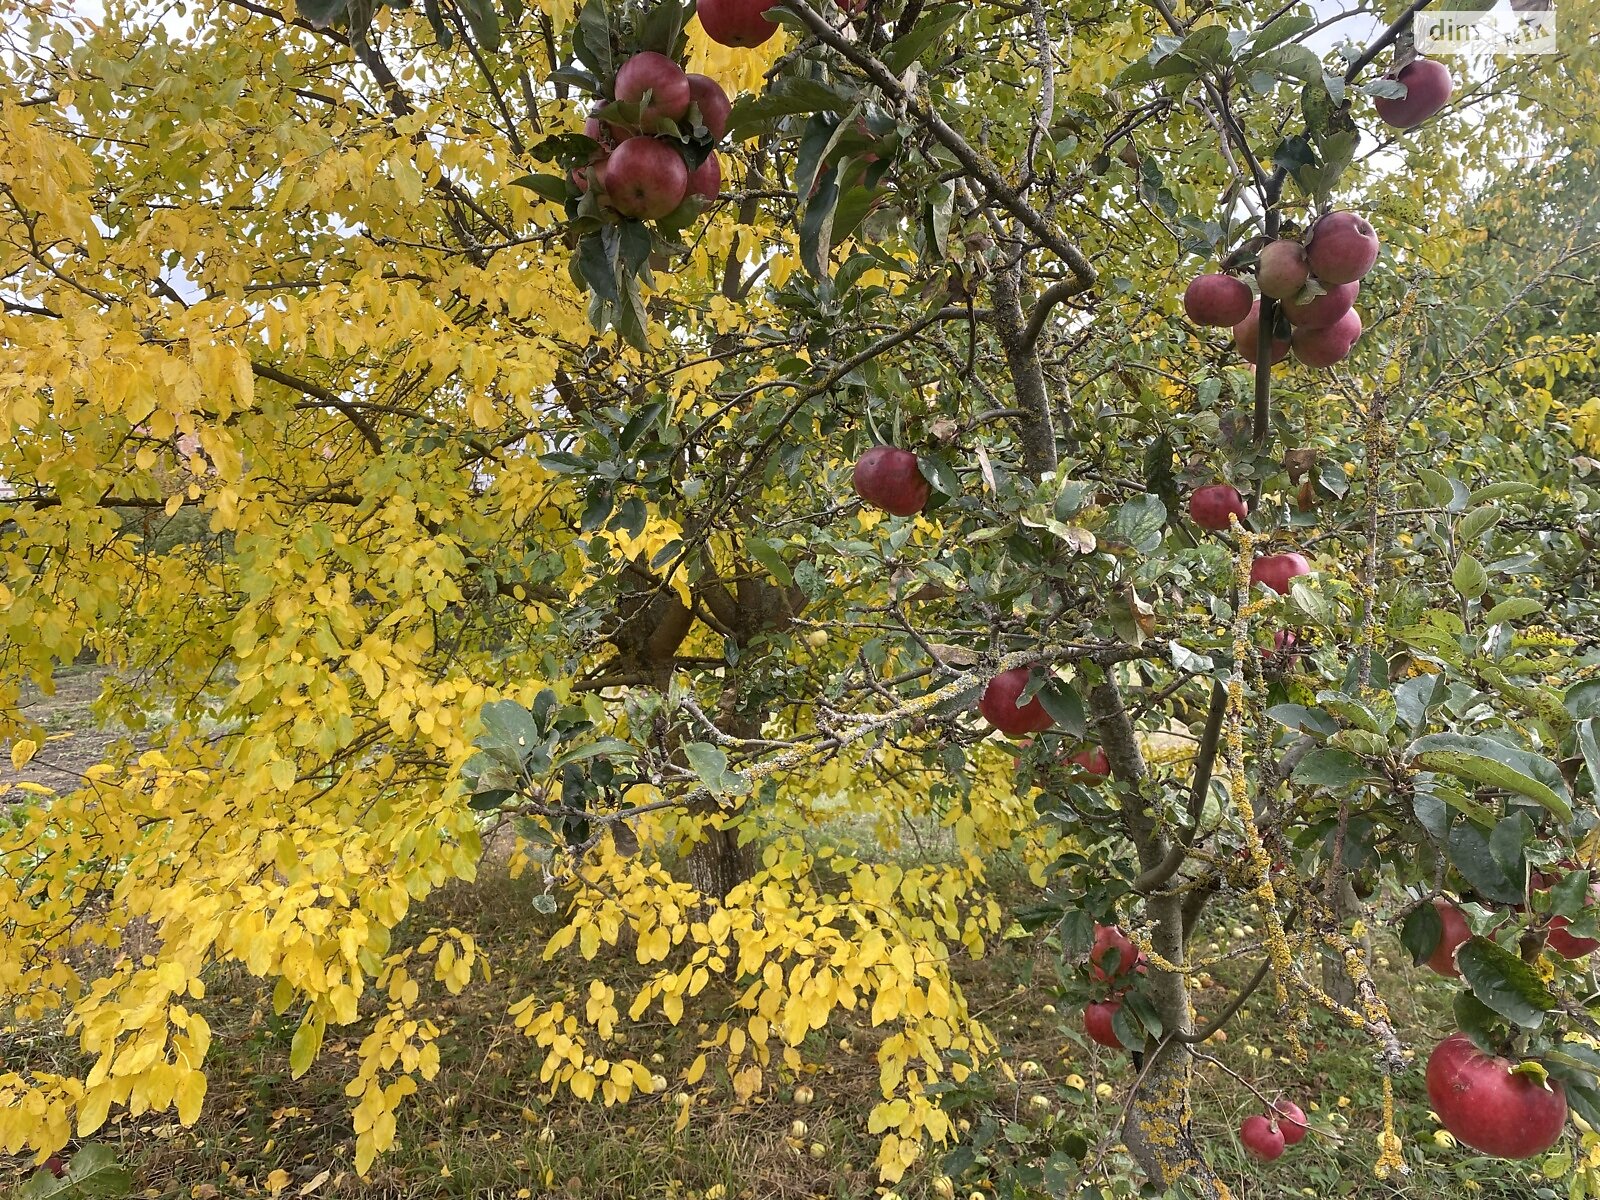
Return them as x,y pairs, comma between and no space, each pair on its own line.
1321,311
998,705
889,478
817,1150
1245,335
1428,87
797,1129
1217,300
1097,1018
1261,1139
1211,506
1282,269
736,22
1291,1122
1324,347
803,1094
645,178
1276,570
944,1187
713,103
1487,1107
705,180
1455,931
664,81
1342,248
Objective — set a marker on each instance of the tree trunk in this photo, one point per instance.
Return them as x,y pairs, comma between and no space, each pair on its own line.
1156,1131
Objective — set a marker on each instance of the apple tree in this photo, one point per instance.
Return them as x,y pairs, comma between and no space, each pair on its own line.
1114,436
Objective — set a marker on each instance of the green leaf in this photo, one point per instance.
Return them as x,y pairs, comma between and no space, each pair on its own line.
770,556
1065,707
1138,522
1503,982
1471,855
1469,578
485,22
551,187
591,39
1583,699
508,725
789,96
1420,932
1298,716
1334,769
711,764
92,1171
1477,521
1505,489
1280,31
1589,746
320,13
1512,610
1494,764
1476,1020
928,29
611,747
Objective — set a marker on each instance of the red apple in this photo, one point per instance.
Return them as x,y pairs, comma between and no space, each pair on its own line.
1291,1122
705,181
890,479
662,80
1106,939
1219,300
1093,763
1283,656
1097,1020
736,22
1326,346
1487,1107
1261,1138
1342,248
1276,570
608,133
998,705
713,104
645,178
1210,506
1322,311
1557,938
1281,269
1428,88
1246,332
1456,931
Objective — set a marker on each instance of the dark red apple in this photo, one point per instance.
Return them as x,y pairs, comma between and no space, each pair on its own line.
737,22
705,181
1211,506
1428,87
1261,1138
1246,332
1106,939
1093,763
1097,1020
1276,570
662,80
1322,311
608,133
1281,269
1326,346
645,178
1485,1106
1283,655
1342,248
1291,1122
1557,938
1456,931
713,104
998,705
1218,300
890,479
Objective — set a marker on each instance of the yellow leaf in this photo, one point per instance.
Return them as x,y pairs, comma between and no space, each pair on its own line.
22,750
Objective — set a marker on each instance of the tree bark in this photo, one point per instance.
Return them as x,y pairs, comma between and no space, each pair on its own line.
1157,1130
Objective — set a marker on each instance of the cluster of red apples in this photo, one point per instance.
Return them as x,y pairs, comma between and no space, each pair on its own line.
1480,1098
1212,506
1265,1135
639,161
1316,280
1113,961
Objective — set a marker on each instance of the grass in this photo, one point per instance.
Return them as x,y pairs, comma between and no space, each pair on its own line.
483,1128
